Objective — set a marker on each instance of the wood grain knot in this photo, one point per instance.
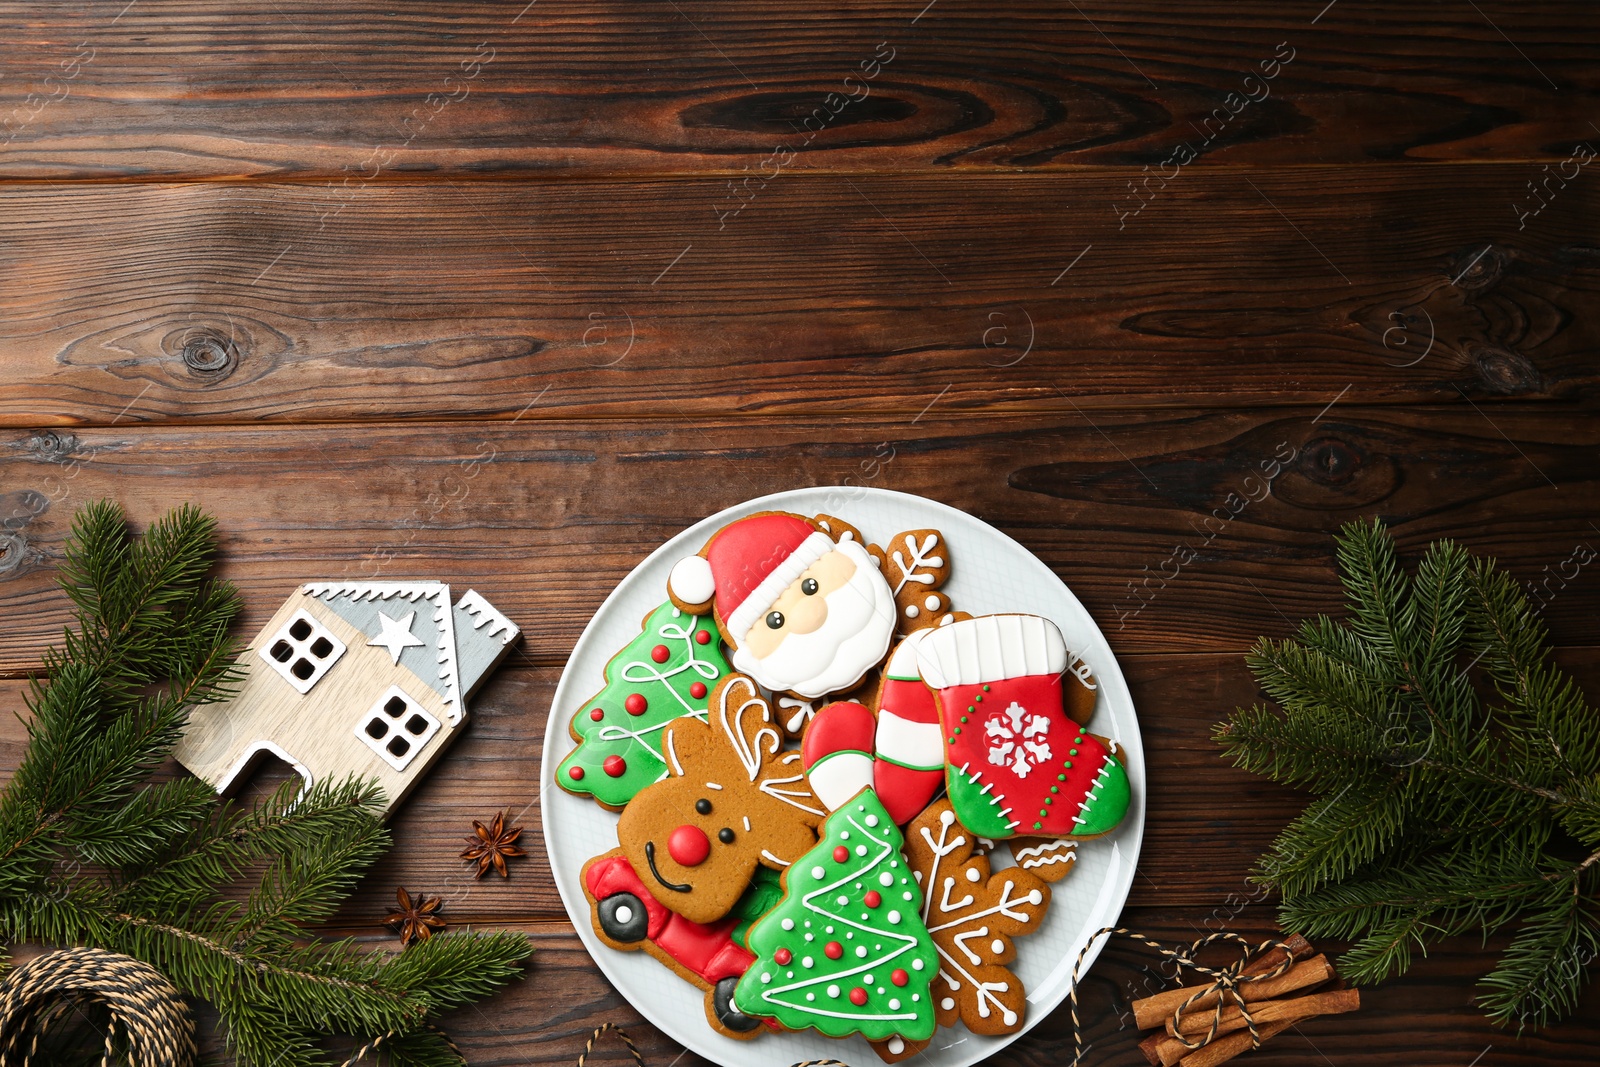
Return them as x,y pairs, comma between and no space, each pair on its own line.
209,357
1330,461
1504,371
49,446
1478,268
13,550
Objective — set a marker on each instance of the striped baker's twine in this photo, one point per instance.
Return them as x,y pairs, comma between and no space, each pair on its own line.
1225,981
149,1022
622,1035
373,1047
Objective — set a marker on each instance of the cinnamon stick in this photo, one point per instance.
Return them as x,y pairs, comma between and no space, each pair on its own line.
1154,1010
1312,972
1169,1051
1331,1002
1225,1049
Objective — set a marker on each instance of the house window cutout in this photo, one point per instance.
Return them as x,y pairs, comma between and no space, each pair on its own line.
397,728
302,651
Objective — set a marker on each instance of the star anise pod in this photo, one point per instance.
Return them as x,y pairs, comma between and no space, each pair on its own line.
493,845
414,919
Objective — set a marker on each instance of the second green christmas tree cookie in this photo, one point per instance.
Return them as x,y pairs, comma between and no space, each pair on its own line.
668,671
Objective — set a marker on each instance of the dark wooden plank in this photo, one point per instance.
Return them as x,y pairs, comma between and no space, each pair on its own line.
1148,518
871,295
361,90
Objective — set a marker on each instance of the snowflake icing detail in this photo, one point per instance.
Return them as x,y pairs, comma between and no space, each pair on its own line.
1017,739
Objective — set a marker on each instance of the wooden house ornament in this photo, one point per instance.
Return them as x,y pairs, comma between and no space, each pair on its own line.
352,678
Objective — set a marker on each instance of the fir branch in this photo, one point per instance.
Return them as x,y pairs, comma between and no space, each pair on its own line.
1439,814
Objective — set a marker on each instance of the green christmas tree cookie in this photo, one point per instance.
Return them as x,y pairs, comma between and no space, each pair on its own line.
668,671
845,951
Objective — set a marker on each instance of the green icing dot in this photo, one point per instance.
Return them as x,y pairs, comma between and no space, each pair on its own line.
1062,777
1038,826
985,689
958,729
970,708
1072,752
1055,789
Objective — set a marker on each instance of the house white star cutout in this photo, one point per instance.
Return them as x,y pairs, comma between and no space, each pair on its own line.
396,634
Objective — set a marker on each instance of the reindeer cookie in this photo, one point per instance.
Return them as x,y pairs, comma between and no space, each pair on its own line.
731,801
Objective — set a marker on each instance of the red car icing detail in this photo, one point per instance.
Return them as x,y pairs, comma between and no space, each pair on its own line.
705,950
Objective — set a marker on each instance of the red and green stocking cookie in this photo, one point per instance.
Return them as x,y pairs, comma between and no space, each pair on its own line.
845,951
668,671
1016,763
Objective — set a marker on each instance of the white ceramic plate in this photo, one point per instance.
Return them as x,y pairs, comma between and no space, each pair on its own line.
989,573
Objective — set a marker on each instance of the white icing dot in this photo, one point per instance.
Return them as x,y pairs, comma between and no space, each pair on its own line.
833,991
866,979
896,1046
915,997
893,917
808,962
886,878
829,930
818,873
932,603
844,835
788,974
766,976
1035,897
808,925
811,996
911,611
871,821
894,1004
787,924
861,951
972,874
843,900
811,937
861,850
908,896
916,965
946,817
947,1003
997,946
624,914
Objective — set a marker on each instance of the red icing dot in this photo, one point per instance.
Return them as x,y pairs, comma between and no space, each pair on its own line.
858,996
833,950
782,957
840,854
596,714
660,653
636,703
688,846
702,637
697,690
576,774
872,899
615,766
899,977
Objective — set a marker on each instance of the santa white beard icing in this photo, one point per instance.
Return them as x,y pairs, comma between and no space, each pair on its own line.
851,640
803,614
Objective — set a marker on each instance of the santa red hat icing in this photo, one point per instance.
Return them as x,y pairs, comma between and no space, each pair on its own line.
747,564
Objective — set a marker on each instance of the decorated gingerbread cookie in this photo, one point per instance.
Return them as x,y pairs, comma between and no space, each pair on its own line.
1050,858
972,914
916,564
1016,762
712,956
845,950
666,672
803,613
732,801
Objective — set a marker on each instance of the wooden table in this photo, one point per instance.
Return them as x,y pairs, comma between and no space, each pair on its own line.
506,295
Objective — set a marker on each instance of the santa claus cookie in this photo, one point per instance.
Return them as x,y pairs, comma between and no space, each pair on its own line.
1015,762
802,612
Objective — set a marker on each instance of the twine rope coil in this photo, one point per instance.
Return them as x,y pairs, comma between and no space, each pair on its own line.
149,1026
1225,981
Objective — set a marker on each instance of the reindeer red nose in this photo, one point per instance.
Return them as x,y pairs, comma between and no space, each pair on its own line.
688,846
